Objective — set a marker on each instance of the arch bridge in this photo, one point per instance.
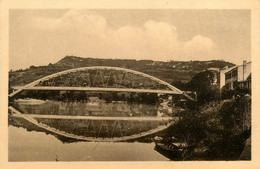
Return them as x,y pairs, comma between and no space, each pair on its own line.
102,78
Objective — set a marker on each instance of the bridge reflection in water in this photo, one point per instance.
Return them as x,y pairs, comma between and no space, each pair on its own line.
96,120
100,122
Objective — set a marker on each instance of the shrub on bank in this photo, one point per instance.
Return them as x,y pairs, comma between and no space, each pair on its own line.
217,131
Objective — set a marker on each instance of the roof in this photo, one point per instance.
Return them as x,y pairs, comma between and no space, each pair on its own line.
228,69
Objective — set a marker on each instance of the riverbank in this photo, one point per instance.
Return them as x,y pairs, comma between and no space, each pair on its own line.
217,131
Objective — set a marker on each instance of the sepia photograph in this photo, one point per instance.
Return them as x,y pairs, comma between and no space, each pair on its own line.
129,85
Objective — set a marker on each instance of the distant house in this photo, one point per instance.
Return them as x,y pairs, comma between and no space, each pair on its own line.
236,77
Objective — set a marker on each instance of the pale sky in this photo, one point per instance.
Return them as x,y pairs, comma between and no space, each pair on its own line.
39,37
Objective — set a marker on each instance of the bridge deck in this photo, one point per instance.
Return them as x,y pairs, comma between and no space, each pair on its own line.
97,117
61,88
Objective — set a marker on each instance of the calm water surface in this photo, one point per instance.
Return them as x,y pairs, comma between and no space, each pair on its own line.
38,146
29,143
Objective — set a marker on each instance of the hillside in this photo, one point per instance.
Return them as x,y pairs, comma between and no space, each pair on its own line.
168,71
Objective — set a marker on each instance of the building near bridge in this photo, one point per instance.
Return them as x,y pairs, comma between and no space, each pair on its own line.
236,77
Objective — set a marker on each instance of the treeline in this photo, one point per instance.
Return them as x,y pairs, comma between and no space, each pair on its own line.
72,96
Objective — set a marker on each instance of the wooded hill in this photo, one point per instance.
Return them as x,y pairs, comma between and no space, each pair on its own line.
170,71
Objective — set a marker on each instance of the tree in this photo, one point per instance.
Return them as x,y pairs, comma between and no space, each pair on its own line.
32,67
202,83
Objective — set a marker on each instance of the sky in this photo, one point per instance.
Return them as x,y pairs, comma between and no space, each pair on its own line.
42,36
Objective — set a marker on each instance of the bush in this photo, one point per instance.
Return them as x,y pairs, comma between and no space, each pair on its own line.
236,115
229,94
219,128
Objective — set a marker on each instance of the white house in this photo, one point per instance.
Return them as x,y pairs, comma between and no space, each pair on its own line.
236,76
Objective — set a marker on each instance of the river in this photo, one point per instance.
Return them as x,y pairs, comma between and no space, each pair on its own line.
28,142
38,146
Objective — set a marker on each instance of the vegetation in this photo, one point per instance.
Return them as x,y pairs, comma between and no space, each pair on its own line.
204,86
229,94
167,71
103,78
202,83
216,127
217,131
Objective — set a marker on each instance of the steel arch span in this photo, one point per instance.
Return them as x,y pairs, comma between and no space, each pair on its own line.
35,85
